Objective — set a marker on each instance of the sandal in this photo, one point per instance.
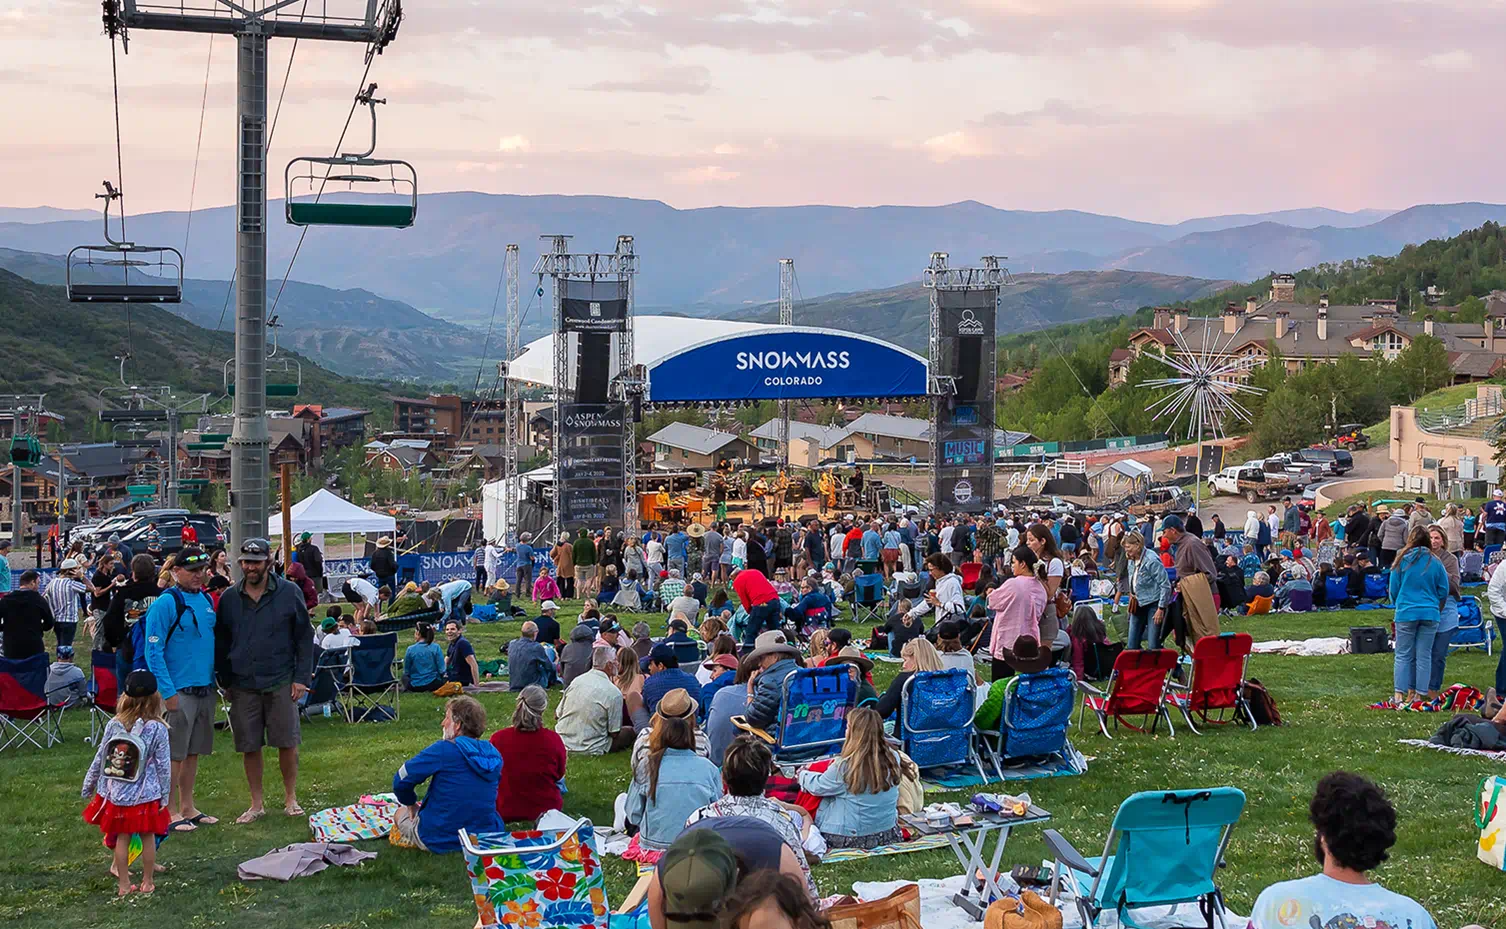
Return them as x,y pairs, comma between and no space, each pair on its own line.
250,816
182,825
203,819
294,810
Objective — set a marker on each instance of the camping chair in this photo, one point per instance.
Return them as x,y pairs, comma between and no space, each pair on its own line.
330,670
1472,567
1081,587
1377,586
1336,590
369,679
936,719
556,875
1492,553
25,713
970,571
1301,601
813,708
1473,631
1170,845
1136,688
868,598
1037,711
1098,660
104,690
689,653
1218,681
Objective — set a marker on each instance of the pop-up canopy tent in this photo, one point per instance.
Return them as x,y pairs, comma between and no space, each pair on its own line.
323,512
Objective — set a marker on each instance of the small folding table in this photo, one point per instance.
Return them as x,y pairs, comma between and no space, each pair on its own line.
969,841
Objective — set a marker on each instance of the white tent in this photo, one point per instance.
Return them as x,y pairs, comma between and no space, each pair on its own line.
323,512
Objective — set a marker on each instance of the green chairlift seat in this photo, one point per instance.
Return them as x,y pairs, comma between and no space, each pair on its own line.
357,179
337,213
123,272
25,451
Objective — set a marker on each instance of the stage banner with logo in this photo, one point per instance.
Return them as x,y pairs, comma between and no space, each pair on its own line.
962,469
594,306
591,475
787,363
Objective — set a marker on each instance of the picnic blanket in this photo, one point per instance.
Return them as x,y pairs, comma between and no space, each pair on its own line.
925,843
961,777
1303,648
1459,698
371,818
1494,756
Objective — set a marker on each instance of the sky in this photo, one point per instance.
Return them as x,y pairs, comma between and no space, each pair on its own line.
1158,110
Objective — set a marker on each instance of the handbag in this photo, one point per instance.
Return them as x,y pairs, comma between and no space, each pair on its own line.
1490,819
1063,603
899,910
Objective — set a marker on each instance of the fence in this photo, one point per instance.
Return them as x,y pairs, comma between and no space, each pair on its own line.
1453,417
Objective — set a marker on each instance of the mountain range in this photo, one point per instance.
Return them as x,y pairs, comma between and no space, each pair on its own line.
700,260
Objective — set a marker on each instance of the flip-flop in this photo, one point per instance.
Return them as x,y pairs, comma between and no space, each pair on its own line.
204,819
294,811
187,825
250,816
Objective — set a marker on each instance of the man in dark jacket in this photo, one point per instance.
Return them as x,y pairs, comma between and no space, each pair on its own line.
584,551
775,660
575,657
1357,528
312,560
384,566
264,656
24,616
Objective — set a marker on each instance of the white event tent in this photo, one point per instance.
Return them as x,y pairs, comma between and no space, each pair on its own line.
323,511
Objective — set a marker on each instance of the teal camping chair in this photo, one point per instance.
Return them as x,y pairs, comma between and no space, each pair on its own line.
1170,846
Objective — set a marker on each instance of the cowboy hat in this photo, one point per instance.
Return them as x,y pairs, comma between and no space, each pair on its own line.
695,530
853,656
384,542
1027,656
772,642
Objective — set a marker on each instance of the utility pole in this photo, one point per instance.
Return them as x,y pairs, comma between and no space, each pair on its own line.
511,482
254,23
786,318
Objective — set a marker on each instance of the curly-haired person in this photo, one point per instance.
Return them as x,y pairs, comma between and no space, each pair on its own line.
1355,825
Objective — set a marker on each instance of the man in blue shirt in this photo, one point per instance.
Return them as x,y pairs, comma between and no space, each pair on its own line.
664,675
1494,514
873,543
179,645
675,549
524,551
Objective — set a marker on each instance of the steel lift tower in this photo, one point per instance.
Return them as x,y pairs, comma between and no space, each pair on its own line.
254,23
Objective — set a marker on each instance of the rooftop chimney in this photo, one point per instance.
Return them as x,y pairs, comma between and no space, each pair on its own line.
1284,288
1281,316
1162,318
1427,324
1251,303
1231,319
1490,335
1180,315
1323,301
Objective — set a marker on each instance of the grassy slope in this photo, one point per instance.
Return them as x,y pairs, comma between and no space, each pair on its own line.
53,870
1380,433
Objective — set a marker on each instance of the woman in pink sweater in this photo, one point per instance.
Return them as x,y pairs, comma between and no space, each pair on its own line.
1017,605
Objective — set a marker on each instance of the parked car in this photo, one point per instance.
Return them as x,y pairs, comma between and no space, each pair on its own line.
170,525
1162,500
1298,473
1334,461
1249,482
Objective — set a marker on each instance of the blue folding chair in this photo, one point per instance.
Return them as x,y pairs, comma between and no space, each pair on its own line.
1492,553
370,679
936,719
1377,586
868,598
689,653
331,668
1474,631
26,715
1081,587
1170,845
1301,601
1335,590
813,707
1037,711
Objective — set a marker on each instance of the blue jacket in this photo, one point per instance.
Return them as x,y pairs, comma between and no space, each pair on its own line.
813,601
186,658
709,690
686,783
845,813
462,794
423,663
674,546
872,543
1419,587
1152,586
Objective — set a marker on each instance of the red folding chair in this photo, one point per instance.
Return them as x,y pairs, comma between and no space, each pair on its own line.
26,715
1137,687
1216,692
970,571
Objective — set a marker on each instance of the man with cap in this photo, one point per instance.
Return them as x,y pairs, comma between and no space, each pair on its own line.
312,559
267,653
1493,515
180,636
664,675
384,564
1196,575
24,616
773,659
699,872
609,634
65,595
5,582
547,624
65,682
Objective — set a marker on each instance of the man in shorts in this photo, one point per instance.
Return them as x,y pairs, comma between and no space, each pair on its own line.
179,645
267,646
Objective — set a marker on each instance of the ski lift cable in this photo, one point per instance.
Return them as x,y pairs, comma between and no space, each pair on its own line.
193,184
119,160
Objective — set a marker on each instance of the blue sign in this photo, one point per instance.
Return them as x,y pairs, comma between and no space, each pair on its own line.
788,363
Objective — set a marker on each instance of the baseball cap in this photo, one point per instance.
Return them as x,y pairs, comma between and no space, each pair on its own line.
662,653
65,651
255,550
697,874
1172,521
609,626
192,557
141,683
548,605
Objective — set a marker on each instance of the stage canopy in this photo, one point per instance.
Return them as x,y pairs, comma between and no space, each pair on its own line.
786,362
323,512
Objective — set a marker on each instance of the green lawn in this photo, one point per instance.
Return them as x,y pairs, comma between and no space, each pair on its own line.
53,871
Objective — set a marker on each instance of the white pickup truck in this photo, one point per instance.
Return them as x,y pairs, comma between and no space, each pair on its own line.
1249,482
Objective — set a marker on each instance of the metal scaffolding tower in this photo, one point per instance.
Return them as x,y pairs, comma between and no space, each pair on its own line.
254,23
786,318
512,402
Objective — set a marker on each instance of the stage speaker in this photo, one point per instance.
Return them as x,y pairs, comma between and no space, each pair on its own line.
593,367
969,370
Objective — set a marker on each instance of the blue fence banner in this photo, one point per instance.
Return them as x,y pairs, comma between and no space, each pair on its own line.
787,363
434,567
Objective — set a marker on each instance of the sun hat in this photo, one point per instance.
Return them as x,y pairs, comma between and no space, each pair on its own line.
678,704
696,875
384,542
548,605
771,643
854,656
695,530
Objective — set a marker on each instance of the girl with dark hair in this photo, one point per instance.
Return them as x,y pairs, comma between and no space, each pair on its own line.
771,899
1043,544
423,662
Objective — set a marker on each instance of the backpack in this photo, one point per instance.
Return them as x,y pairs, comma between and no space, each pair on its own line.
138,631
1261,705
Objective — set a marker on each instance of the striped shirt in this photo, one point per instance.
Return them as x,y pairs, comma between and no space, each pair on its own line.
64,595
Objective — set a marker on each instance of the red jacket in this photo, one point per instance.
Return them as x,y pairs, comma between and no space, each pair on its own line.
532,765
752,588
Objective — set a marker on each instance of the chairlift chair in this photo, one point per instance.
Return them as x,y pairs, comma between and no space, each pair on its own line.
146,273
306,179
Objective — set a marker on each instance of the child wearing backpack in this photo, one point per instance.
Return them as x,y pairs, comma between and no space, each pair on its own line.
129,781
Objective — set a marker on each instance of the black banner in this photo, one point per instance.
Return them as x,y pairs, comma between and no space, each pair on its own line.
588,507
590,477
594,306
586,420
962,469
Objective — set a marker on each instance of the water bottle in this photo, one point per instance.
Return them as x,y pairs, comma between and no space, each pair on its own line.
326,711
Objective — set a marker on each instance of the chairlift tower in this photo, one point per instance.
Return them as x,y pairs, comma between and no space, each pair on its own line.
254,23
512,403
